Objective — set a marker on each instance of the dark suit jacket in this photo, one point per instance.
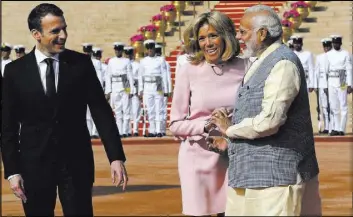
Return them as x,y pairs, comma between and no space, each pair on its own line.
53,130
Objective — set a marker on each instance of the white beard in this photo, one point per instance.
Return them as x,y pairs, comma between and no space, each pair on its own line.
250,50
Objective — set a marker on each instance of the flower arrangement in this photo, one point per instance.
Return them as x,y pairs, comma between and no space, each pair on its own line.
158,17
291,13
167,8
137,37
286,23
299,4
149,28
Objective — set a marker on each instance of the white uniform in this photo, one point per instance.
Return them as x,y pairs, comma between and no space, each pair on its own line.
307,60
135,101
100,74
165,100
119,83
153,70
3,64
321,69
340,76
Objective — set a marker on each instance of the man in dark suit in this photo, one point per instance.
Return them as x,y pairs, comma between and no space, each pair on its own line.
46,92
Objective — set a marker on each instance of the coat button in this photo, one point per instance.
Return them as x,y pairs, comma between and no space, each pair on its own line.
235,110
239,95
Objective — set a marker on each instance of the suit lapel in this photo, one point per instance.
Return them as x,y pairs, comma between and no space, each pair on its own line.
64,73
34,74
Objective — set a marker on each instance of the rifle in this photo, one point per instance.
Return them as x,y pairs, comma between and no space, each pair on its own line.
144,113
318,109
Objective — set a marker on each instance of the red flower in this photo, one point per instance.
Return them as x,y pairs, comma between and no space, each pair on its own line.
299,4
137,37
149,28
286,23
158,17
167,8
291,13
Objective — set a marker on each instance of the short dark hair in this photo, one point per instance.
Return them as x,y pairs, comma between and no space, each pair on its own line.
35,17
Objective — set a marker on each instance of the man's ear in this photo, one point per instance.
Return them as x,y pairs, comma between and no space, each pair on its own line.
36,34
262,34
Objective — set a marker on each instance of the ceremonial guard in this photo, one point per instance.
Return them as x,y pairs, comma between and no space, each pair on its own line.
87,48
96,52
5,56
307,60
166,95
119,87
135,100
20,50
321,69
153,85
339,84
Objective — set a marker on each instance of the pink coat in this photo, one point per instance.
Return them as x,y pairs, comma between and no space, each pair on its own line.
202,173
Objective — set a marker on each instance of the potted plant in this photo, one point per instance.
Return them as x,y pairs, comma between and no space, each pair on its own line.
169,11
160,21
294,17
149,31
179,6
302,8
137,44
287,29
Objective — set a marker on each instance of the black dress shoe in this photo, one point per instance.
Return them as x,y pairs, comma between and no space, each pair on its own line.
324,132
341,133
124,135
151,135
145,135
163,134
129,135
159,134
136,134
95,137
334,133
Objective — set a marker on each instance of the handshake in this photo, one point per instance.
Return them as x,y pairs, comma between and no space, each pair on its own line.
220,120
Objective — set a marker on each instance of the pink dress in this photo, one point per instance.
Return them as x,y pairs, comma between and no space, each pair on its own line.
202,173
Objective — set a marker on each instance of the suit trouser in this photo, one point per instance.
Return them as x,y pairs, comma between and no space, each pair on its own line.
323,108
154,103
75,198
338,104
272,201
135,112
120,103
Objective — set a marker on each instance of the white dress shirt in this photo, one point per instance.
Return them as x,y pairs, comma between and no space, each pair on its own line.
42,66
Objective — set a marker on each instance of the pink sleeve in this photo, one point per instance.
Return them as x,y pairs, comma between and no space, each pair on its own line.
180,126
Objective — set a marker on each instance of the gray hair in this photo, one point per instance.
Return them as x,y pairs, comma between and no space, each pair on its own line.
271,22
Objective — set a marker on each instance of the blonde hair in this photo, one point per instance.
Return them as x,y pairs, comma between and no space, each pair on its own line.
223,25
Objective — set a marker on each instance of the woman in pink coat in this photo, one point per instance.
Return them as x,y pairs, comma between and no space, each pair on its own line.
208,81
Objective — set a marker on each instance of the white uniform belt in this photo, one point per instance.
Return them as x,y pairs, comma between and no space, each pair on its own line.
117,78
336,73
150,79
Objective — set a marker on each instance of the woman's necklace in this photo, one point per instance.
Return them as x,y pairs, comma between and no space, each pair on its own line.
219,68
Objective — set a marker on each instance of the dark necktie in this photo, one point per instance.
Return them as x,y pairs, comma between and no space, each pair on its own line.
50,78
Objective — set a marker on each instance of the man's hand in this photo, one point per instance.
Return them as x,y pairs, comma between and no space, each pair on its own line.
119,174
349,90
217,144
17,186
221,120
